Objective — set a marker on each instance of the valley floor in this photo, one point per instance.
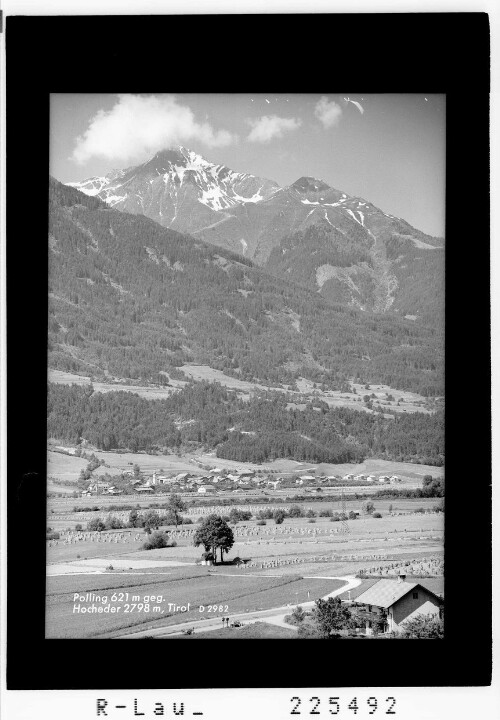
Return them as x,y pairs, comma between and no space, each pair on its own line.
290,564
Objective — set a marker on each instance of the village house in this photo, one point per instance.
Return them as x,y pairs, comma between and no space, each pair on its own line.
275,483
348,477
206,489
99,487
398,600
143,488
371,478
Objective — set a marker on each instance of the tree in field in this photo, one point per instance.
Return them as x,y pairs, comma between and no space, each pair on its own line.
368,507
330,616
424,627
279,516
96,525
175,506
157,540
234,515
151,521
134,519
214,533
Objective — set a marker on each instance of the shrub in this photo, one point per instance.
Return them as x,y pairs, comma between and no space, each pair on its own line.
157,540
296,512
53,536
261,522
377,515
113,523
96,525
78,527
352,515
279,516
325,513
311,520
310,513
296,617
335,517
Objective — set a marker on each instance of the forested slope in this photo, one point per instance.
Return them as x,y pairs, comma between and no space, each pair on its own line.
131,299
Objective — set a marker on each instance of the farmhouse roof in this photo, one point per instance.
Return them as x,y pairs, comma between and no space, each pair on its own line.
427,608
386,592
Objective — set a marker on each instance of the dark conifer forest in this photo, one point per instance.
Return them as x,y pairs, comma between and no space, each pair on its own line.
208,416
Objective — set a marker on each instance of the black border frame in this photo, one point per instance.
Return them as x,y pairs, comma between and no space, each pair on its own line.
428,53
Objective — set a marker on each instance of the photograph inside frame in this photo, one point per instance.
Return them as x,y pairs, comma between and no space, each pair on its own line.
245,418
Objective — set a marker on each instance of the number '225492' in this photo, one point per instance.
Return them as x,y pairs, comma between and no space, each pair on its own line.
333,707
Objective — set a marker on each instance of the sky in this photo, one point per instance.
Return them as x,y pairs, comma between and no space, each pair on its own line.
386,148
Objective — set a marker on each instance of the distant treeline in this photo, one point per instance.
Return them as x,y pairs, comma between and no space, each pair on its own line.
262,429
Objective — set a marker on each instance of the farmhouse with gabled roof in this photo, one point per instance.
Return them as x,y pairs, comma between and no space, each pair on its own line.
401,600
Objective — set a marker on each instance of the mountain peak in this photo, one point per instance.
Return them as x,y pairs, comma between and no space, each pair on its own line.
310,184
166,156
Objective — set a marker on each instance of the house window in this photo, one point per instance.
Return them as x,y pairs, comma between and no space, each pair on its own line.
415,595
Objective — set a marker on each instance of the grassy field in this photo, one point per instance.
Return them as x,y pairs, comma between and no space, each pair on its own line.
149,393
252,631
216,594
63,516
371,543
408,401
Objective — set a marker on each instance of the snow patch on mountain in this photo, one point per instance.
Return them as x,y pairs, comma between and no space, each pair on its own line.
360,220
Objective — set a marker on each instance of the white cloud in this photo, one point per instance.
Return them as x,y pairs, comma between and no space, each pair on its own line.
268,127
328,112
138,125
